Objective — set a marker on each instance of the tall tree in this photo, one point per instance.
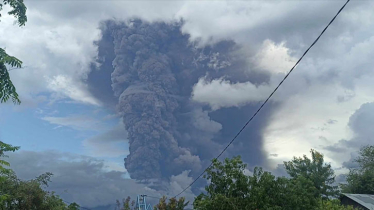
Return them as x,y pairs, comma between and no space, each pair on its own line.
16,194
315,170
7,89
4,171
361,180
230,188
29,195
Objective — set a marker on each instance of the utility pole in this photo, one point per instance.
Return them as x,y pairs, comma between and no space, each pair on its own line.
141,203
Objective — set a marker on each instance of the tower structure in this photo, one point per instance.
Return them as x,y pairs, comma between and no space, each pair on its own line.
141,203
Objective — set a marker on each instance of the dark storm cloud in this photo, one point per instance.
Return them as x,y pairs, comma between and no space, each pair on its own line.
154,70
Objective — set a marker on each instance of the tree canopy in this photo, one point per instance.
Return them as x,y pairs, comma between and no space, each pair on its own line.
18,10
308,188
29,195
361,180
230,188
315,170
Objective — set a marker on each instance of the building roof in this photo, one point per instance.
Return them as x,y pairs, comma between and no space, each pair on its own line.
365,200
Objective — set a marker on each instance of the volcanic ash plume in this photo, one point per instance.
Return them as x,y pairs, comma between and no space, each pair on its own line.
155,68
144,79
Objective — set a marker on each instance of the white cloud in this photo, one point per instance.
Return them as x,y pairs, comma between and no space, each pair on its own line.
202,121
220,93
178,183
56,56
205,19
77,122
329,85
75,90
274,58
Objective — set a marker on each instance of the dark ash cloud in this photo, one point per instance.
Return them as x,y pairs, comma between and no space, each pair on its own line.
153,71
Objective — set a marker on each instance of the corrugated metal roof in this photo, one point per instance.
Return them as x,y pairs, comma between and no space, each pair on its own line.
363,199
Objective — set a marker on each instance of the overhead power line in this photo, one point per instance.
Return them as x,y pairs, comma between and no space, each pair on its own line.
268,98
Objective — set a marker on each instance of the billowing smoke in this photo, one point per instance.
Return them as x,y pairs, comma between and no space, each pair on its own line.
154,69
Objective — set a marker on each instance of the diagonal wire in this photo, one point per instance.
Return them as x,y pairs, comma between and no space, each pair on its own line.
263,104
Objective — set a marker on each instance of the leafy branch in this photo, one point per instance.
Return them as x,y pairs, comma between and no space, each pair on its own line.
7,89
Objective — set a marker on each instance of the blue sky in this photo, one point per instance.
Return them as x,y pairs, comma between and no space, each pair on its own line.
62,126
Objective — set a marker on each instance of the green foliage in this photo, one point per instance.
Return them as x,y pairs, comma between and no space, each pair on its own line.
296,193
230,188
16,194
366,158
4,171
73,206
24,195
18,10
173,204
361,180
7,89
5,148
227,178
29,195
265,191
332,205
320,173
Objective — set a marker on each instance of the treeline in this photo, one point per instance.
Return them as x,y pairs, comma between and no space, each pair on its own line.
310,186
16,194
